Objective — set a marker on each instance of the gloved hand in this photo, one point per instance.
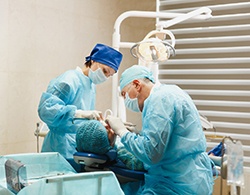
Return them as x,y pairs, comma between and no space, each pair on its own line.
116,125
89,114
131,127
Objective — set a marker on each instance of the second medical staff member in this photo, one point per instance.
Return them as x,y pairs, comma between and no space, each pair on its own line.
171,144
73,94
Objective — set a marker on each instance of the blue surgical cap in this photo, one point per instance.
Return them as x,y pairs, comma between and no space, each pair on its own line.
135,72
105,55
92,137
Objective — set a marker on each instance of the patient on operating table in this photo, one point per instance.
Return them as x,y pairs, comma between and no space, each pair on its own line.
94,137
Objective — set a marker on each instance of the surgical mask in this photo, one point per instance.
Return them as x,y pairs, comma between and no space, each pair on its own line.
97,76
131,104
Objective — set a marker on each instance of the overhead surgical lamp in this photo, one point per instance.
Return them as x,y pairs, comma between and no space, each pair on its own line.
154,47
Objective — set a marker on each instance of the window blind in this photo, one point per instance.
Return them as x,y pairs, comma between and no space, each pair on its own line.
212,64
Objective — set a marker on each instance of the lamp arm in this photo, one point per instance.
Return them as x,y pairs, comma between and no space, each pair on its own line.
192,14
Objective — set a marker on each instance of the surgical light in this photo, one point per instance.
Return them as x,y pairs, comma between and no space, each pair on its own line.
154,47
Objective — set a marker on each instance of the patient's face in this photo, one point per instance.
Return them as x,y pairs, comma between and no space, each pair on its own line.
110,132
111,136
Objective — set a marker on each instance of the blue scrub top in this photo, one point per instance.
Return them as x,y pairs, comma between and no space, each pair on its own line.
171,145
65,94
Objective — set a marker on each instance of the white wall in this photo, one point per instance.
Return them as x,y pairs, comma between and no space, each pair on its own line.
245,190
40,40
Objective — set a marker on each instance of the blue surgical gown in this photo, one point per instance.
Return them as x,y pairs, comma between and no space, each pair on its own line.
65,94
172,146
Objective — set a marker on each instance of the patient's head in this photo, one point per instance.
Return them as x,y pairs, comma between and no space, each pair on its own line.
92,136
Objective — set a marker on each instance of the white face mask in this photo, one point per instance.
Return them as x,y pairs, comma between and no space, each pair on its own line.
97,76
131,104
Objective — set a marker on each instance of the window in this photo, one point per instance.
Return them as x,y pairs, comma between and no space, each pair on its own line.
212,64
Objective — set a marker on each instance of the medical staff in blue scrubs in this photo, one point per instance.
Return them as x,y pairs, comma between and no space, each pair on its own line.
72,95
171,143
